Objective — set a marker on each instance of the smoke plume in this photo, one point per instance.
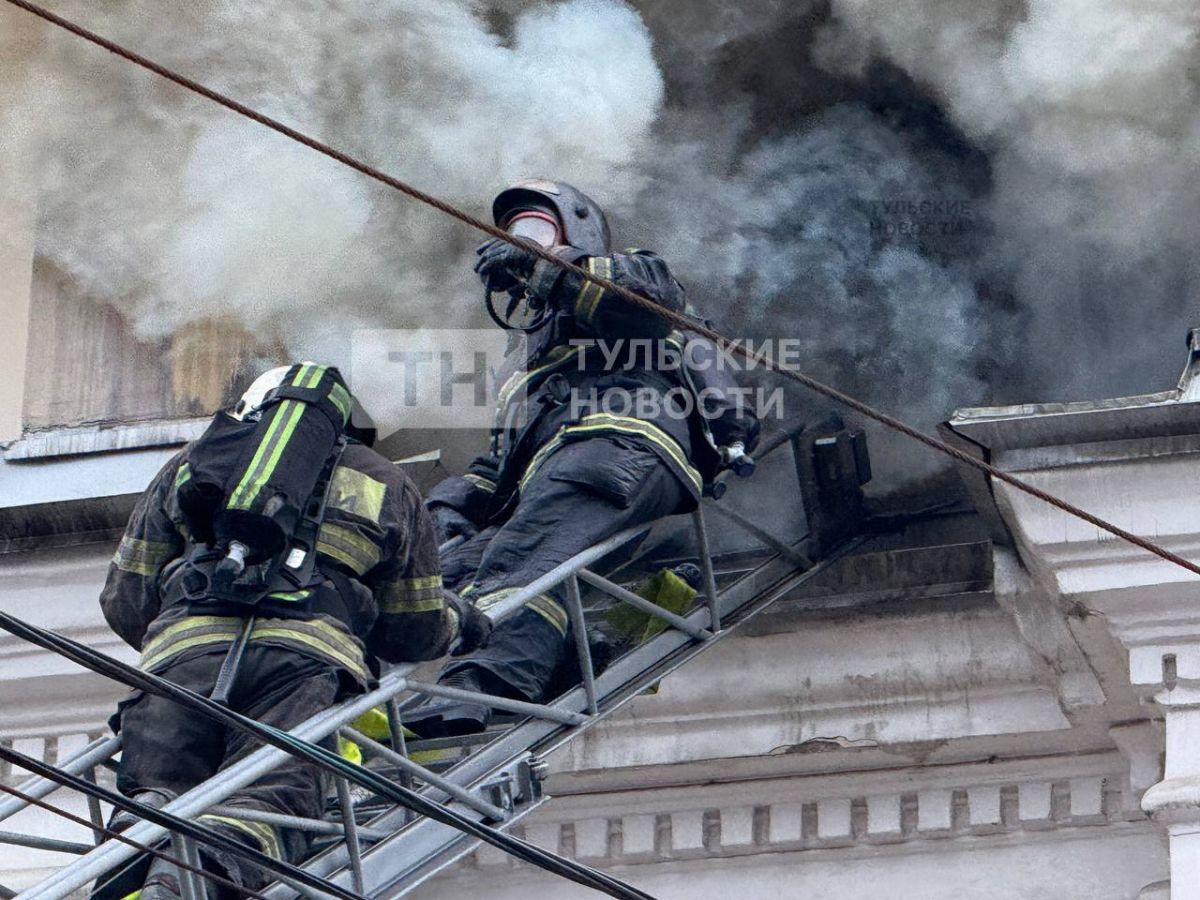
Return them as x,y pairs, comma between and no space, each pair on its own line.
174,209
947,203
1089,114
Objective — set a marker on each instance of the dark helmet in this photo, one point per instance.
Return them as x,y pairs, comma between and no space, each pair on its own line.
583,222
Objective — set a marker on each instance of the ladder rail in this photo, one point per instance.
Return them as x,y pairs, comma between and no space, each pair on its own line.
212,791
698,629
650,662
681,632
96,751
218,788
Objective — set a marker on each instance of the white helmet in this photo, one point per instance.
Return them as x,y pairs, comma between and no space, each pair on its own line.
254,395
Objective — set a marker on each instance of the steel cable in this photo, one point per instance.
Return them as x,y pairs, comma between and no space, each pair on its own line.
676,319
327,759
117,836
176,824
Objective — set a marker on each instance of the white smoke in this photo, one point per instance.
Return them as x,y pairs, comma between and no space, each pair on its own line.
173,209
752,144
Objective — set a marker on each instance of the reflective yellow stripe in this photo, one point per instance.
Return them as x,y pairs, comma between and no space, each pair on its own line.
589,298
193,631
288,413
158,653
557,357
263,834
583,300
288,430
340,397
540,457
291,596
344,558
190,623
490,599
328,641
356,493
542,604
425,581
347,546
277,416
602,422
182,476
141,557
550,610
484,484
198,631
412,595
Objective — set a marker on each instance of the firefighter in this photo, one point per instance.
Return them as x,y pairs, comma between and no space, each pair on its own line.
597,429
278,649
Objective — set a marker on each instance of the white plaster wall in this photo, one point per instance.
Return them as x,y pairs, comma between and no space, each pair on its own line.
40,693
886,679
1111,863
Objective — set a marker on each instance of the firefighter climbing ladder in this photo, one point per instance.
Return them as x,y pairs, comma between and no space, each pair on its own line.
386,851
498,782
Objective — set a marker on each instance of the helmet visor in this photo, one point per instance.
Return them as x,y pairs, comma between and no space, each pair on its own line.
538,227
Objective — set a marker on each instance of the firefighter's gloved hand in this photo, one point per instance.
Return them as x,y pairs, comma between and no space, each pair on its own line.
474,628
450,523
503,267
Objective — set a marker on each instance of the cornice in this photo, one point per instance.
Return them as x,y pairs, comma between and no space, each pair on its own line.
836,811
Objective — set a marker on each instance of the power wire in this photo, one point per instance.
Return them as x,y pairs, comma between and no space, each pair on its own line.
327,759
674,318
117,836
176,824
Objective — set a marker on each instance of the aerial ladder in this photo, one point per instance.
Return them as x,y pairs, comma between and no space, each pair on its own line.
372,844
378,848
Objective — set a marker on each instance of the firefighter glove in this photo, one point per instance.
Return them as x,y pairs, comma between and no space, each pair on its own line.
474,627
503,267
450,523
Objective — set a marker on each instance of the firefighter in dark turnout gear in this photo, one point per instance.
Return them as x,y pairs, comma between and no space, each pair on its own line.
373,589
598,428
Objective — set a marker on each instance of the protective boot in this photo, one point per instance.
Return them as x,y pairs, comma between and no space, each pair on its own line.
437,717
162,882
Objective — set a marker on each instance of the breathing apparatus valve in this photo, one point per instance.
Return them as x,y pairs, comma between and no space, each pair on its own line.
735,457
234,563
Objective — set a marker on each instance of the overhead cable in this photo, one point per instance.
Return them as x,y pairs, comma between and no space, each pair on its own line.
681,321
373,781
118,836
176,824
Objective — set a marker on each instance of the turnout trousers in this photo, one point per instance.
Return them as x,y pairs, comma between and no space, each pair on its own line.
170,748
584,492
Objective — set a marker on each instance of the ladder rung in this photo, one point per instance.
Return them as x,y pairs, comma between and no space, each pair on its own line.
537,710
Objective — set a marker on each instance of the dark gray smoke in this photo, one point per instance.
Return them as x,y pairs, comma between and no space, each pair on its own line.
950,203
842,213
811,237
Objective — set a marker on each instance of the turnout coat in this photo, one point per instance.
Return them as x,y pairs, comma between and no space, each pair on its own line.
377,591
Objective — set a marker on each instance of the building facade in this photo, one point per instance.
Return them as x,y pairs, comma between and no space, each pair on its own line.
993,700
990,701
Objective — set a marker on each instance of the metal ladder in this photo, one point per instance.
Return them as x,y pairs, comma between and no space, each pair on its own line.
382,850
